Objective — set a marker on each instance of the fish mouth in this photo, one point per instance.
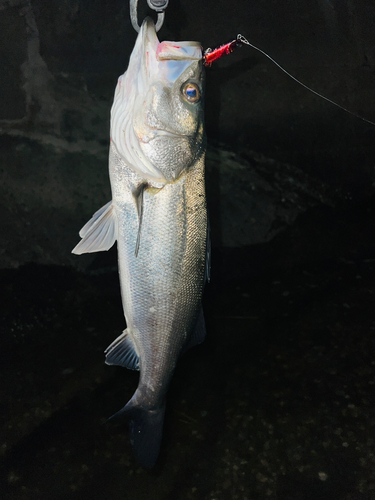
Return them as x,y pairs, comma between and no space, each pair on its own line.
150,43
171,52
151,61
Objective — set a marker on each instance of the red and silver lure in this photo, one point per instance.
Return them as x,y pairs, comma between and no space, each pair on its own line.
210,55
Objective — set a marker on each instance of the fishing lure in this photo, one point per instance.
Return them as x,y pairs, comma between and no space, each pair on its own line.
211,55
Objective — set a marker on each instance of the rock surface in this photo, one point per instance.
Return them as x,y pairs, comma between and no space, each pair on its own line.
61,62
278,401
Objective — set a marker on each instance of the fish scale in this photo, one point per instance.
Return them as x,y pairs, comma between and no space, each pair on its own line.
170,283
158,216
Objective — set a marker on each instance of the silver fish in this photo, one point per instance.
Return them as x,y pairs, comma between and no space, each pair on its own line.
158,217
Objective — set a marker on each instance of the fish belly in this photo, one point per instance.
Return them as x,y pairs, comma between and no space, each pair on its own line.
162,285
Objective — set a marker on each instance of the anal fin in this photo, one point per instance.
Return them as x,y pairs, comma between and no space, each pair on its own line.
122,352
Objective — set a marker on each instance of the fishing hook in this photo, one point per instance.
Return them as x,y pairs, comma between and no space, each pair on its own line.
158,6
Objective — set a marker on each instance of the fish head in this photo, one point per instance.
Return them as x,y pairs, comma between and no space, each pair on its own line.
157,117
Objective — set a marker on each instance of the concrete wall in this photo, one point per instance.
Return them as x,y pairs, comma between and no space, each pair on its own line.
59,65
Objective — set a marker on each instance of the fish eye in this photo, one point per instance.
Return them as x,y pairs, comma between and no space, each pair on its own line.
191,93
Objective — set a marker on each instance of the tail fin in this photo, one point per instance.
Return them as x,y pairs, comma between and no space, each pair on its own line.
146,428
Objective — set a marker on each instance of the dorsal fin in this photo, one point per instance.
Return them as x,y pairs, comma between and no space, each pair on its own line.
198,334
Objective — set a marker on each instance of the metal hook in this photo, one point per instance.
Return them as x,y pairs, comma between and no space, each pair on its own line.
158,5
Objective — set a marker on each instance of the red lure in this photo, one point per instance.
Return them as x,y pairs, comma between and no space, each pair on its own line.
210,55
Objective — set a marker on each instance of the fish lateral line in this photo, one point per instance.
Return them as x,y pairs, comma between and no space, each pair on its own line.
211,55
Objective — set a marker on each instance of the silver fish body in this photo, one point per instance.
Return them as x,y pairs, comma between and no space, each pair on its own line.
158,217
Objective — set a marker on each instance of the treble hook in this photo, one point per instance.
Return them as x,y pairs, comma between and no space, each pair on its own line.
158,5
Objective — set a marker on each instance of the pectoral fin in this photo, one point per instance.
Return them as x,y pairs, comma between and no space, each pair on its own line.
122,352
138,196
99,233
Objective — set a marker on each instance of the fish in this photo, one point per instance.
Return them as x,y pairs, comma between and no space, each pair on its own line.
158,216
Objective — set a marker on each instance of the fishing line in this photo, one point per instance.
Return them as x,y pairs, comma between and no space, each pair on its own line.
211,55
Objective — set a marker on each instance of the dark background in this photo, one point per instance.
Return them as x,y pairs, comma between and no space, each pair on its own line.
279,401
